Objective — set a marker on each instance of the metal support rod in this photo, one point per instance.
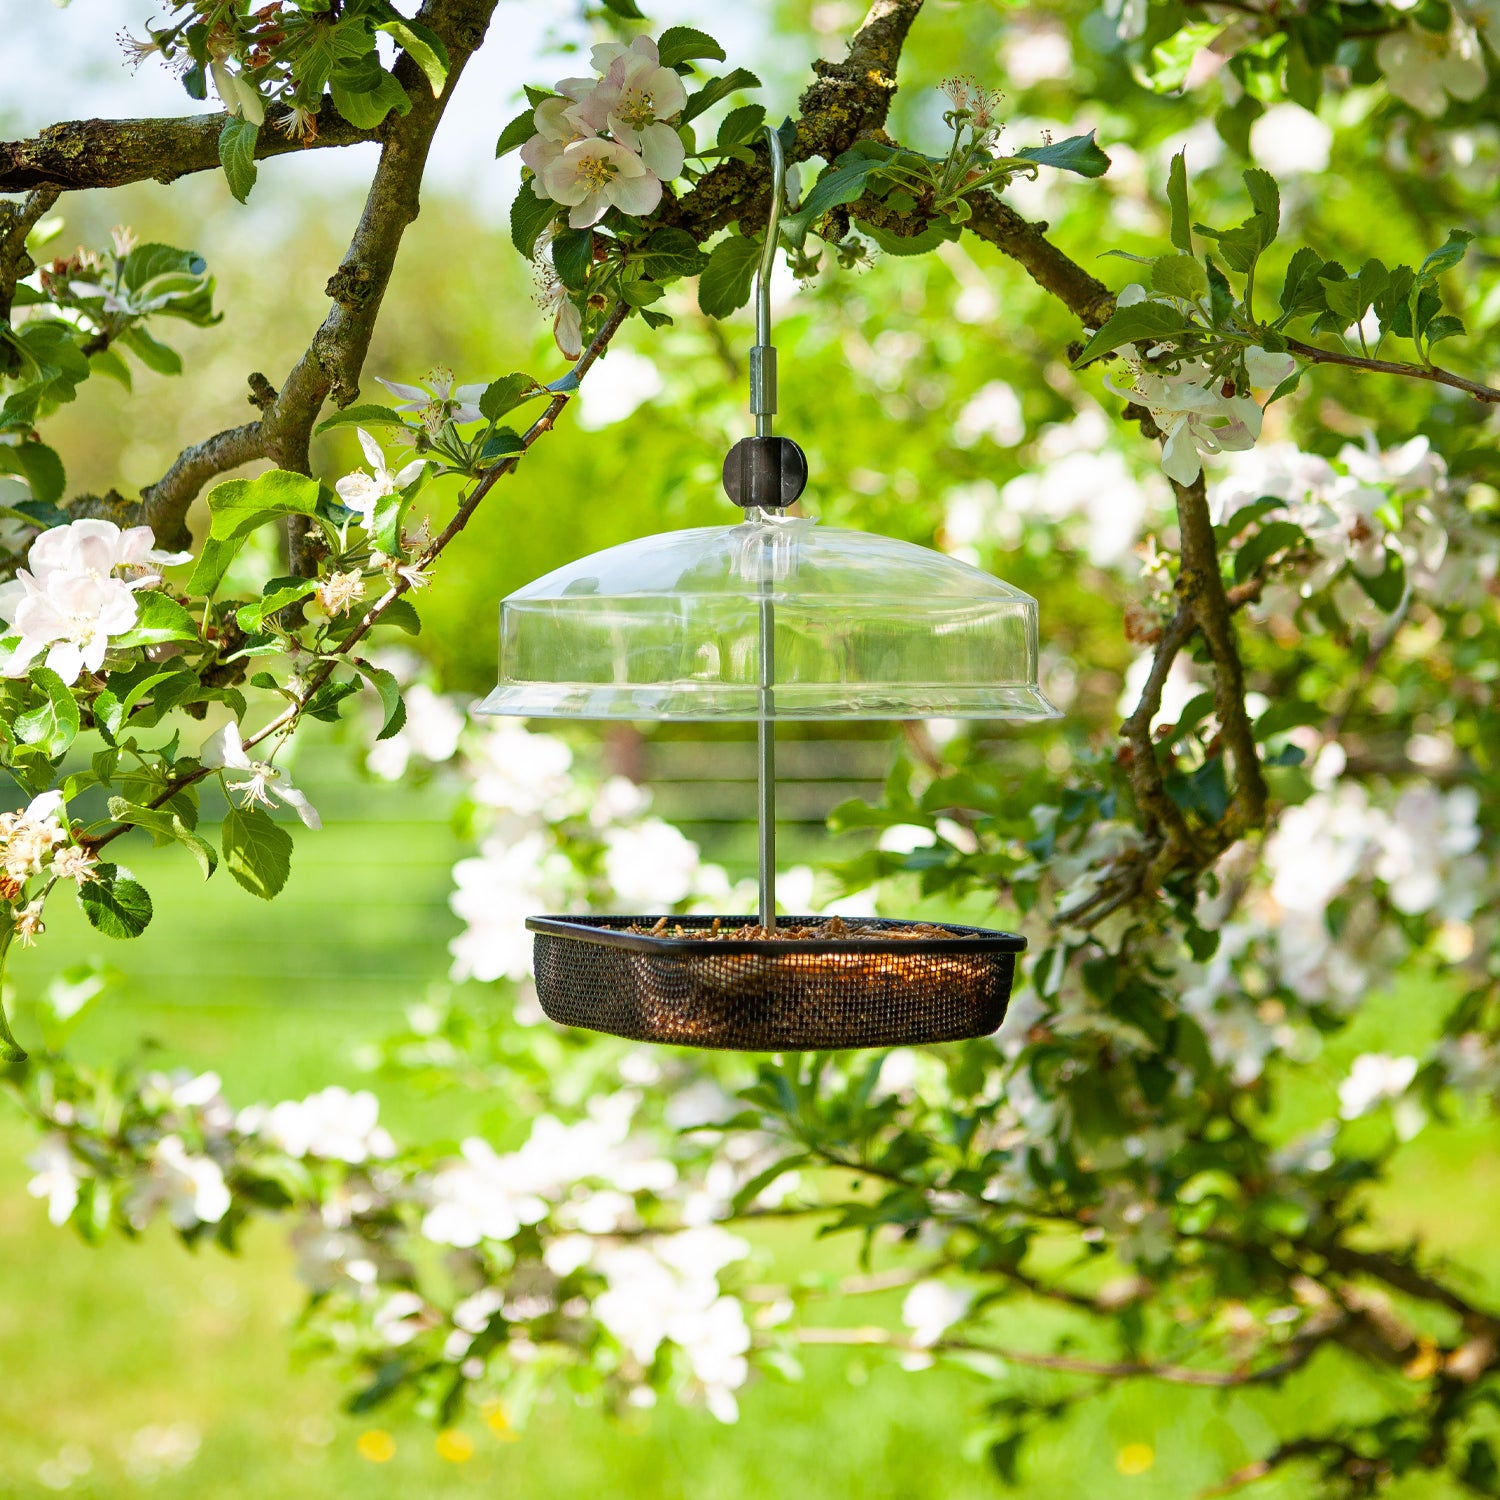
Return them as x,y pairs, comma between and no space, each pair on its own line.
763,405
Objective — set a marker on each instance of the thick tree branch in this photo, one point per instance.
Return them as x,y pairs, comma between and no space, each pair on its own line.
80,154
1027,244
16,222
335,357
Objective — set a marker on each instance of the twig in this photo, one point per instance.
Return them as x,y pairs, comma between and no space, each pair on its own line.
1316,356
372,616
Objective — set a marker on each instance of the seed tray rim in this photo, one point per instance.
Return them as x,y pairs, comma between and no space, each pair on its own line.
596,930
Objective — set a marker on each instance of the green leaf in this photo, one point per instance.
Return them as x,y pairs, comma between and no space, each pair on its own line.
1177,198
1302,291
1447,255
726,279
1266,198
573,256
324,704
1387,587
385,684
1269,540
1179,276
52,726
1079,153
1227,531
507,393
1444,327
276,595
529,215
238,506
160,618
1171,59
670,253
1204,791
114,903
626,8
1139,322
41,468
425,48
213,563
151,352
165,826
364,93
364,415
237,139
917,244
716,89
842,183
680,44
740,126
257,851
516,133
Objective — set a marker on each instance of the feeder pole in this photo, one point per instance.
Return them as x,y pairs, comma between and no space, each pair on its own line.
763,407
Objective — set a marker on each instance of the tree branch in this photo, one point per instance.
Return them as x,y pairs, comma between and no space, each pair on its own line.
17,220
335,357
1027,244
1316,356
77,154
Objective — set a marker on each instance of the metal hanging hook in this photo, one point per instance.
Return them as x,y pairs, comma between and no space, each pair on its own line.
763,355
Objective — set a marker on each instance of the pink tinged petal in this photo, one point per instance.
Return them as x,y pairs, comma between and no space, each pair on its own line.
662,151
372,450
635,195
299,804
567,329
539,153
136,545
118,612
603,56
588,115
560,182
590,211
581,88
408,393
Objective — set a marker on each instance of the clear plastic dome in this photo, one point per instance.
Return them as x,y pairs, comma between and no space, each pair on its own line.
862,627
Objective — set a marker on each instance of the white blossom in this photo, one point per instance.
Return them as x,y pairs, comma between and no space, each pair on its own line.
30,837
333,1123
191,1187
267,784
430,733
637,97
486,1196
1425,68
930,1308
1374,1079
1420,842
399,1319
592,176
519,772
436,399
100,550
58,1175
494,892
363,492
68,616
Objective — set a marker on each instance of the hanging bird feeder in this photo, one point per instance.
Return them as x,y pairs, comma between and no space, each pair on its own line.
776,618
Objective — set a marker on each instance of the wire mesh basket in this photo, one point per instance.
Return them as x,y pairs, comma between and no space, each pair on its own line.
615,974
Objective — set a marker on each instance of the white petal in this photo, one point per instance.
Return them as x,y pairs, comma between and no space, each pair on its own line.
299,804
408,393
662,151
1179,456
43,807
410,472
372,450
635,195
66,660
224,748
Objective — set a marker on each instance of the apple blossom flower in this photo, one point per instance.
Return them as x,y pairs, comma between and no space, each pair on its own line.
339,592
28,837
192,1187
58,1174
267,784
299,123
72,863
559,123
29,924
1374,1079
650,865
1192,411
436,399
238,94
567,322
638,97
930,1308
97,549
593,176
1424,68
1422,845
363,492
333,1124
486,1196
70,617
